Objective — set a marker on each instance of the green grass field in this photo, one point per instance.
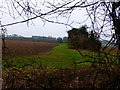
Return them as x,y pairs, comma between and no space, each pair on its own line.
59,57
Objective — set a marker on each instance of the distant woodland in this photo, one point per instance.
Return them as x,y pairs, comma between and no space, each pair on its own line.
49,39
37,38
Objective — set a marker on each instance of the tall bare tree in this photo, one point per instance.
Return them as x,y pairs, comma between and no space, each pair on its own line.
104,19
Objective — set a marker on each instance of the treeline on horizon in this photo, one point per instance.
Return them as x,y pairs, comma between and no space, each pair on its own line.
49,39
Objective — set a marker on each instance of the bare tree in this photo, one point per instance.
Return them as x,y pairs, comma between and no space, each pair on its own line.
103,16
99,13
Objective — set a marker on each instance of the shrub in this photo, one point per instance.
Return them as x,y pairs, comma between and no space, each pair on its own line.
80,39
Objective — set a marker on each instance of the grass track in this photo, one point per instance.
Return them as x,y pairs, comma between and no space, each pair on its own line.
59,57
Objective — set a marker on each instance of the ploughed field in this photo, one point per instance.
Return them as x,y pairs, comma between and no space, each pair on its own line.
26,48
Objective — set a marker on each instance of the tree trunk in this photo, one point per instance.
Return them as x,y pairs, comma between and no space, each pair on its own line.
116,23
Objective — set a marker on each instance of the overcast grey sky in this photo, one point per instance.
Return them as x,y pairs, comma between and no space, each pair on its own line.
39,29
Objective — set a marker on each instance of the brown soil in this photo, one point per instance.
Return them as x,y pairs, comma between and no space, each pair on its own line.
26,48
114,49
